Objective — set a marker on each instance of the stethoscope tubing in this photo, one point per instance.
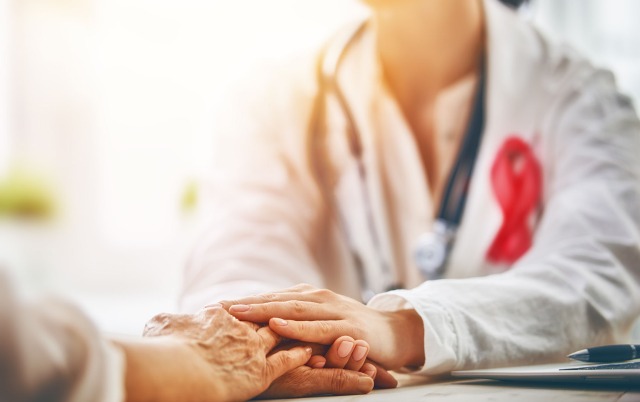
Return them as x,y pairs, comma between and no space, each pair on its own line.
329,68
455,196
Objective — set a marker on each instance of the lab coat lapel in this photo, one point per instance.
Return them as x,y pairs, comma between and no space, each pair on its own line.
357,78
510,71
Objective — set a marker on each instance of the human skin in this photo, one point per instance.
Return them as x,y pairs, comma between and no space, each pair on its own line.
321,316
424,46
330,371
211,356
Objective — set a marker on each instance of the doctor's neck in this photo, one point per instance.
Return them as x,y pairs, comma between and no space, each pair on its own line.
426,45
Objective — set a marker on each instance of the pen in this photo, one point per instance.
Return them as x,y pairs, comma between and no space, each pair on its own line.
607,354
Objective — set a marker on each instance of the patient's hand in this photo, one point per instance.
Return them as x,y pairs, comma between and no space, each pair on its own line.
340,369
206,356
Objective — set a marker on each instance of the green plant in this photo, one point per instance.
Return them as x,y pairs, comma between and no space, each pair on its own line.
190,195
26,196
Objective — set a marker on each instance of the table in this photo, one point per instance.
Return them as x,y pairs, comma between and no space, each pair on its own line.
414,388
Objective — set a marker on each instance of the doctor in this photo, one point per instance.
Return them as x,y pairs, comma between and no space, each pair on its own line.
482,182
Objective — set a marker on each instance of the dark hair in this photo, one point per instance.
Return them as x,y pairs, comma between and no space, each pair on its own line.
514,3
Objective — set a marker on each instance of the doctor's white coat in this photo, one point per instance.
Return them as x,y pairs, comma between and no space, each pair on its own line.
579,284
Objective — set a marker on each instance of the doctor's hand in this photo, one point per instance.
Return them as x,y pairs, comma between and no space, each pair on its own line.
320,316
205,356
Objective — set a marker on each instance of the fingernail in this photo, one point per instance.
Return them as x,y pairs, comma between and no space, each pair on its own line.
359,353
319,364
308,349
239,308
345,348
371,373
280,321
215,305
365,384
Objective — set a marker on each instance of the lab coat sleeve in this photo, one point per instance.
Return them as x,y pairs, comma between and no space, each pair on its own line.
50,351
261,198
579,285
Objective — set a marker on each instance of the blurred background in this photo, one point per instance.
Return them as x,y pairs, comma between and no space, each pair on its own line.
106,126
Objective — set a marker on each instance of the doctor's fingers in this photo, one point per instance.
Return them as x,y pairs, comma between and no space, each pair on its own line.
323,332
263,298
290,310
300,292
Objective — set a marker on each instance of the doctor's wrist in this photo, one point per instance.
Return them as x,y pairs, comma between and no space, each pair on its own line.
409,337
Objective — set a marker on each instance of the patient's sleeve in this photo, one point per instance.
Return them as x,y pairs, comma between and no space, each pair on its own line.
50,351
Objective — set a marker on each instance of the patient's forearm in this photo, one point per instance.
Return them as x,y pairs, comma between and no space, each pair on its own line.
167,369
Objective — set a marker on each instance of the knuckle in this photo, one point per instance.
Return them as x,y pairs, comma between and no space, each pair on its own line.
268,335
287,359
211,312
297,307
324,328
157,324
206,317
162,317
324,294
339,380
268,297
304,327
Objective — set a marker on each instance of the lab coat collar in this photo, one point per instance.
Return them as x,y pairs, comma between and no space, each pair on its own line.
358,77
512,66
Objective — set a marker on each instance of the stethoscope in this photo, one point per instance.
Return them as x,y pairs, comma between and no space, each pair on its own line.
433,248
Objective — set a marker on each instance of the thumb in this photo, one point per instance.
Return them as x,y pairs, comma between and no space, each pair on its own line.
286,360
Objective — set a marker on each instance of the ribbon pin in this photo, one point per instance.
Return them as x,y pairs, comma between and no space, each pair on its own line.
516,180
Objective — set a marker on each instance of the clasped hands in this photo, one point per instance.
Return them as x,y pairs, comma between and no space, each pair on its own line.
320,316
297,342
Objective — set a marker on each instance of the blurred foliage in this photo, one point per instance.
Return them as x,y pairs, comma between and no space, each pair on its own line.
190,196
26,196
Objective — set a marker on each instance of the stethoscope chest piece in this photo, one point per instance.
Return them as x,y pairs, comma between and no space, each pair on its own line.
432,249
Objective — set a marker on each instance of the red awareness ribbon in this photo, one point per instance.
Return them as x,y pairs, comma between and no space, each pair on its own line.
517,181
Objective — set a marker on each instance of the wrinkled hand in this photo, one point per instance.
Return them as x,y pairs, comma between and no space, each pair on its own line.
320,316
333,371
338,356
227,360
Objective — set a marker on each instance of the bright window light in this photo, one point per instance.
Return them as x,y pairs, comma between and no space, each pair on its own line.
162,67
5,134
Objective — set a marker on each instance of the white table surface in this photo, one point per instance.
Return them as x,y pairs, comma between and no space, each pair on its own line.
421,389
